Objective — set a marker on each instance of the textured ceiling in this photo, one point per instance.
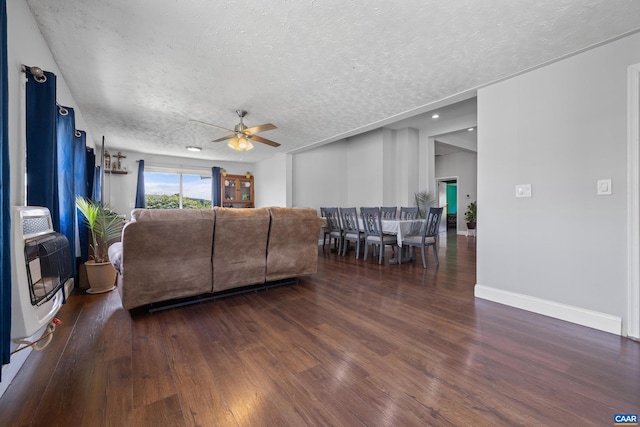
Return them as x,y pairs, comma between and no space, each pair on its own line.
318,70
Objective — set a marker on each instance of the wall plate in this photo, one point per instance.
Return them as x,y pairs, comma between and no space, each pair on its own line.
604,187
523,190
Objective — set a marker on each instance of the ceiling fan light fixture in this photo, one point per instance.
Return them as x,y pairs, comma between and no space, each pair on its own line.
240,144
239,138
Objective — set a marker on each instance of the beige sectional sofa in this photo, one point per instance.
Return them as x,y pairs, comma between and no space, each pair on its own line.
168,254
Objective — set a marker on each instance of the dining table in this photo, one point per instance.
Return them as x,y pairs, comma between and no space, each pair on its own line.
399,227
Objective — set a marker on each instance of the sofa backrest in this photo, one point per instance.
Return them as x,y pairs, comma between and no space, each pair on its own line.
293,243
139,214
167,253
239,247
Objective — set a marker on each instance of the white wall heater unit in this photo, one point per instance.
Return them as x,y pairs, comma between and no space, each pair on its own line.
41,273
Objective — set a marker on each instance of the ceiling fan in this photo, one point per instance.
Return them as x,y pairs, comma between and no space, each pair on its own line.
241,135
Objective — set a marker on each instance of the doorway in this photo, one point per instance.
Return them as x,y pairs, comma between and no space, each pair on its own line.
448,199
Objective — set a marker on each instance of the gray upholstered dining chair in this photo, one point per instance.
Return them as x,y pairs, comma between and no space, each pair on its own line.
429,237
350,229
333,230
389,212
373,234
408,212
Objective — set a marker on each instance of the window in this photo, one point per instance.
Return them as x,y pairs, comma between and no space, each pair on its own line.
177,190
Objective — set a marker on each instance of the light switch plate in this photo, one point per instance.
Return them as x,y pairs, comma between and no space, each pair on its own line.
523,190
604,187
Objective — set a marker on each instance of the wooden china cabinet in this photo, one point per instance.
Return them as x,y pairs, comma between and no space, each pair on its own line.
237,191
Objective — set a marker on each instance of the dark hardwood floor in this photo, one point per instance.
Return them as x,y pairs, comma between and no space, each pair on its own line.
356,344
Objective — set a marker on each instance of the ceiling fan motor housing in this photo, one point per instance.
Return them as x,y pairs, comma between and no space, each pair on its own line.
240,126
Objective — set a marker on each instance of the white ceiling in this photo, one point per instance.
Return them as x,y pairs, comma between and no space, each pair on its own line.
318,70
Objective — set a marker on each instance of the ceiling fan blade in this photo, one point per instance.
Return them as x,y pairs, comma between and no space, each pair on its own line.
224,138
260,128
263,140
209,124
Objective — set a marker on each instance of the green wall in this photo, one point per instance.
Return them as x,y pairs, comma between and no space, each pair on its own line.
452,198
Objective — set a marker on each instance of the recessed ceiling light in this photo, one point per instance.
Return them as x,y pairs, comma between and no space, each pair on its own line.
470,129
192,148
435,116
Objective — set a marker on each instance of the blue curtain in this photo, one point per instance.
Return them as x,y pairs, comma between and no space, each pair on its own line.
5,224
216,199
42,156
82,189
66,124
140,200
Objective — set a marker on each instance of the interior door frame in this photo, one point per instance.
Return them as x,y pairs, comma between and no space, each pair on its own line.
633,201
442,203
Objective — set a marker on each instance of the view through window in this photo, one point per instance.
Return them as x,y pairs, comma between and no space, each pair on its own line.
177,190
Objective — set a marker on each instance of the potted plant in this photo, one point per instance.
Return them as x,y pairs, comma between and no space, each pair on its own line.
424,200
470,215
248,174
104,225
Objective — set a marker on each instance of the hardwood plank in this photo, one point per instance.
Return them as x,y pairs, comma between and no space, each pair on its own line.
152,376
200,400
164,412
30,381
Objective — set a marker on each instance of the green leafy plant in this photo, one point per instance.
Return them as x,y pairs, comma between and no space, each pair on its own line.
471,213
104,225
424,200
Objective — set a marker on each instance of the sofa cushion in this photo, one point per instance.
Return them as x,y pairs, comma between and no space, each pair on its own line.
293,243
239,247
166,254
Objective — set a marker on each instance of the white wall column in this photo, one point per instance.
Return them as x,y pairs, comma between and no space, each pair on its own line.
633,202
406,166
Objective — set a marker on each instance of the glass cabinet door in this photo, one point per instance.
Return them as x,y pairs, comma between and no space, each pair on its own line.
229,189
245,190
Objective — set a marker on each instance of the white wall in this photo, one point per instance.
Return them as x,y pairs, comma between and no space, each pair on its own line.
273,188
406,167
559,128
365,173
462,165
383,167
320,176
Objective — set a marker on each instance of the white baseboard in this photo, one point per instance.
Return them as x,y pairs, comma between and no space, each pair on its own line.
592,319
